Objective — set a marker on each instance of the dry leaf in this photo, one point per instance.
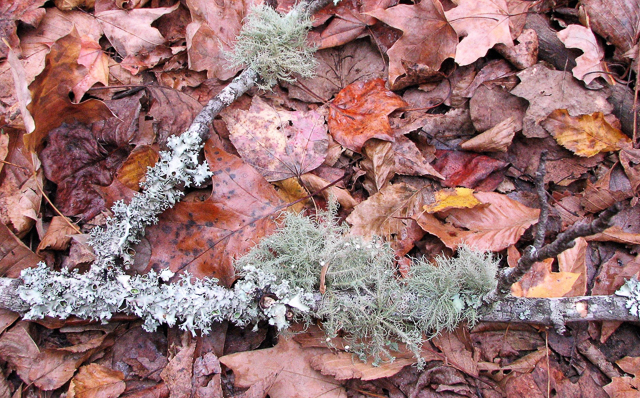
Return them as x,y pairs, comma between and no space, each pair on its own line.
18,349
482,24
96,61
456,198
360,112
493,227
177,374
96,381
315,183
16,256
574,260
578,36
343,366
618,21
469,170
585,135
296,378
279,144
427,39
456,352
496,139
58,235
134,169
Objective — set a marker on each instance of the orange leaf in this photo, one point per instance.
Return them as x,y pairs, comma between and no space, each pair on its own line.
457,198
585,135
96,381
360,112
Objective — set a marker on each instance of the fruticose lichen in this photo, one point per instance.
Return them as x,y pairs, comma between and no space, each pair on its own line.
275,45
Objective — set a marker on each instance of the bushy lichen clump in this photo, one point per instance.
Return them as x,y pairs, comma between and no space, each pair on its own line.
364,300
275,45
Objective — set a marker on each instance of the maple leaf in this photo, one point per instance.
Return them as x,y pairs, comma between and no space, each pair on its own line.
296,378
279,144
360,112
204,235
427,39
469,170
482,24
585,135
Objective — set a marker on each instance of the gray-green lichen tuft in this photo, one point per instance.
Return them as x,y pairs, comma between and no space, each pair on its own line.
275,45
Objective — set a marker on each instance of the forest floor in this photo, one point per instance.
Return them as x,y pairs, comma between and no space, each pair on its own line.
426,122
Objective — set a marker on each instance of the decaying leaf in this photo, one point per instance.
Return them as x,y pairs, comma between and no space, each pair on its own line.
496,139
178,372
279,144
492,227
296,377
456,198
585,135
428,39
360,112
96,381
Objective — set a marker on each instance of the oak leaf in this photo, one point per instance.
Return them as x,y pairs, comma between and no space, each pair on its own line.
493,227
585,135
590,62
279,144
15,255
360,112
427,39
482,24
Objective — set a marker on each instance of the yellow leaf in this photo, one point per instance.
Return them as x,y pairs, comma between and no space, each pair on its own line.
554,284
457,198
585,135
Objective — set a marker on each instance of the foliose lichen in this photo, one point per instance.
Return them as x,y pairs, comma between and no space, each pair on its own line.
631,290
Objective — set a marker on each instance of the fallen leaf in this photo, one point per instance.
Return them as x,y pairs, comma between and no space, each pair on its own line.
482,24
133,170
140,353
178,372
612,187
496,139
213,32
20,186
343,366
18,349
96,381
360,112
615,20
547,90
383,160
279,144
625,386
540,281
356,61
22,89
456,198
590,62
492,227
456,353
427,39
12,12
130,31
171,113
58,235
68,5
51,89
584,135
296,378
96,61
469,170
574,260
630,161
206,380
316,183
203,235
614,273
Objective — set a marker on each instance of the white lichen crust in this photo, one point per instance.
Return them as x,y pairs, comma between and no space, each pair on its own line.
177,168
631,290
192,304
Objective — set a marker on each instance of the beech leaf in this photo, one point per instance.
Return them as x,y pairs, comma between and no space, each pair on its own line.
96,381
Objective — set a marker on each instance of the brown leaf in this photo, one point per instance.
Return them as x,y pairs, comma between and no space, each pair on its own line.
482,24
360,112
493,227
615,20
547,90
456,353
13,12
496,139
614,273
383,160
96,61
58,235
630,160
16,256
574,260
540,281
130,31
134,169
279,144
18,349
203,235
213,32
50,92
296,377
585,135
469,170
96,381
20,182
578,36
171,113
21,89
315,183
177,374
358,60
612,187
140,353
428,39
261,388
343,366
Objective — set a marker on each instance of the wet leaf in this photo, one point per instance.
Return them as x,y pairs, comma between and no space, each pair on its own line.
279,144
296,377
360,112
493,227
585,135
204,233
427,39
96,381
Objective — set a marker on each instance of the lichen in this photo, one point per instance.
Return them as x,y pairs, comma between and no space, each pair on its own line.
631,290
275,45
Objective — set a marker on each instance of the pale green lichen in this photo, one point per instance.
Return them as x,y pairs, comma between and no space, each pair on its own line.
631,290
275,45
